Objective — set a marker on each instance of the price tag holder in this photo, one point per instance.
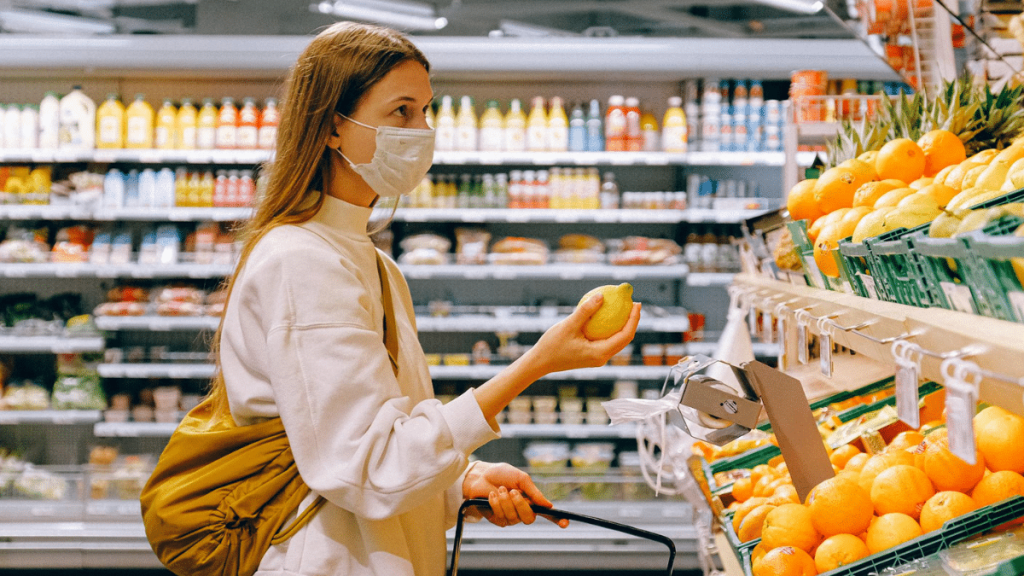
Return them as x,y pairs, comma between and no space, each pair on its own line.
801,338
961,405
825,353
767,327
752,319
908,371
783,344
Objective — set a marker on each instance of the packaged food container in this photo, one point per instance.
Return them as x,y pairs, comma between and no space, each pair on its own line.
653,354
547,456
595,412
166,416
433,359
115,416
674,353
544,404
623,357
166,398
626,389
594,459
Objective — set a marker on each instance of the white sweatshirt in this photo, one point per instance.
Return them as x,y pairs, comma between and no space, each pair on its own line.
303,339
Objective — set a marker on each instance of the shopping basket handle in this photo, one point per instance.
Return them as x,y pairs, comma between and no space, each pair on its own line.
558,515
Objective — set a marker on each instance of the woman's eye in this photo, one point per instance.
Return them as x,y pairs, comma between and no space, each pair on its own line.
402,110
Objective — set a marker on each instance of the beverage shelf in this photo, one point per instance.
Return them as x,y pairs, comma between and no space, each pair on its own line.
89,270
157,323
709,278
50,344
547,272
158,370
50,416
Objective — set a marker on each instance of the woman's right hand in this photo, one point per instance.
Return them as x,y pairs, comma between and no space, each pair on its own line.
564,347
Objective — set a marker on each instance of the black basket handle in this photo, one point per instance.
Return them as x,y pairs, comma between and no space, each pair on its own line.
558,515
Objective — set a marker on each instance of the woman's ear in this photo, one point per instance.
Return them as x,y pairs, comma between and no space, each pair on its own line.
334,140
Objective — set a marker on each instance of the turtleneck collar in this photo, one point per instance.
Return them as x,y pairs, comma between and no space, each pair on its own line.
339,217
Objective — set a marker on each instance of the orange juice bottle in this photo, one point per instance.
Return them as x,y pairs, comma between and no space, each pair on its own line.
166,118
110,123
615,125
206,126
673,128
537,126
185,126
248,125
227,125
558,127
140,124
268,125
515,127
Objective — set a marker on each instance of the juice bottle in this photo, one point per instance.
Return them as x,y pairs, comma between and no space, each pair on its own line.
248,125
558,127
651,135
110,123
206,188
444,134
76,121
139,120
492,128
515,127
206,126
674,130
577,130
49,121
180,187
615,125
185,126
12,126
227,125
595,128
466,126
634,133
268,125
30,126
537,127
166,119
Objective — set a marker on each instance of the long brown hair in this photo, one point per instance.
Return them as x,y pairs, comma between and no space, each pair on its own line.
331,75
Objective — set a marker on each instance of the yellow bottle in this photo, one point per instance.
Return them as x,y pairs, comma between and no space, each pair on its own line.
537,127
206,126
466,126
492,128
185,126
515,127
166,118
140,124
673,128
110,123
558,127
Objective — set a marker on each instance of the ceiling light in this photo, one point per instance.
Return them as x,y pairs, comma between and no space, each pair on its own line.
405,15
31,22
800,6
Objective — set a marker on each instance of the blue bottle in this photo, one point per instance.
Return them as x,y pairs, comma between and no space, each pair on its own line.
595,128
577,130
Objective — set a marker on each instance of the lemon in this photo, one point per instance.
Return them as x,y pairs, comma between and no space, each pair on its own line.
613,313
924,200
871,225
910,216
944,226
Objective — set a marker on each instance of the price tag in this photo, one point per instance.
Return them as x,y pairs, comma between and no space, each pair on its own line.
505,273
623,275
1017,301
571,275
752,320
801,341
815,273
567,217
767,327
657,159
67,271
473,216
101,157
619,159
869,285
907,398
160,325
518,216
959,296
783,343
825,353
151,157
961,405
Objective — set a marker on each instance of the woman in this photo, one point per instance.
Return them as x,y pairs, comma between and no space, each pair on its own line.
303,335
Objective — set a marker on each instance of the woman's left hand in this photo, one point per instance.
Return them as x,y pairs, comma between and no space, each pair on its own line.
508,490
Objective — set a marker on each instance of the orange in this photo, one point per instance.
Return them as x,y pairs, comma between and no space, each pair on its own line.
761,488
891,530
743,509
839,506
893,197
757,472
752,525
940,192
947,471
941,148
903,489
940,178
902,159
839,550
955,178
861,167
855,463
827,241
756,555
849,221
774,485
1000,437
785,494
904,440
945,506
801,203
869,193
825,220
742,489
842,455
789,525
836,188
785,561
999,486
880,462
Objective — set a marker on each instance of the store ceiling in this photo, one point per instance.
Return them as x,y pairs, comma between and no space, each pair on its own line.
656,18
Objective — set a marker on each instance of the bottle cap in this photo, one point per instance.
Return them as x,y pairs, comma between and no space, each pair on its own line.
675,101
616,100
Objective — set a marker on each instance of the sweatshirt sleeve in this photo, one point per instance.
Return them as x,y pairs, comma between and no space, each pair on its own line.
357,440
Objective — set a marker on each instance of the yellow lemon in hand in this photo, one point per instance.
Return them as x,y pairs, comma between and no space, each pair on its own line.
613,313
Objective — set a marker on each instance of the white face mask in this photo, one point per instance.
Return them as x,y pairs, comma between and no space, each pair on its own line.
402,159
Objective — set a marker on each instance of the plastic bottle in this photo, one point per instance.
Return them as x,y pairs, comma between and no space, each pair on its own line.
739,98
139,122
30,126
227,125
444,134
113,189
674,130
12,126
180,187
595,128
110,119
2,143
185,126
147,188
577,130
269,120
558,127
131,189
609,192
615,125
77,128
501,191
755,95
537,126
634,133
466,126
515,127
166,119
649,130
248,125
49,121
206,187
492,128
165,188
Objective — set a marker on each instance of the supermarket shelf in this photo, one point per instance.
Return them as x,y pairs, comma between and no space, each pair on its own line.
134,429
540,215
160,370
54,344
44,212
145,156
761,349
703,215
492,323
50,416
88,270
487,371
174,214
816,131
549,272
709,278
157,323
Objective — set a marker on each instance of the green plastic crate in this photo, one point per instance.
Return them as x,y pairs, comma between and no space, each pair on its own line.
936,256
748,459
952,532
997,290
894,262
858,411
805,252
854,260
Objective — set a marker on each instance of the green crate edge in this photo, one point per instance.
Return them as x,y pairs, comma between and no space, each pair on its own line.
748,459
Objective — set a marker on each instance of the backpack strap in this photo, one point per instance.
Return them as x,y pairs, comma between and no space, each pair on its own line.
390,328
